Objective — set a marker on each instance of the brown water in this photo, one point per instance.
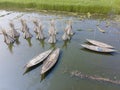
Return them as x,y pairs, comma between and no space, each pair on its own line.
73,57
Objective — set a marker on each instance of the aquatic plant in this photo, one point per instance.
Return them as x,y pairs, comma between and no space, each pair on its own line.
79,6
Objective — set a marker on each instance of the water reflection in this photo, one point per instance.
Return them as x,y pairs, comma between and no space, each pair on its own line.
65,44
17,41
31,68
42,43
10,47
29,42
42,77
80,29
52,45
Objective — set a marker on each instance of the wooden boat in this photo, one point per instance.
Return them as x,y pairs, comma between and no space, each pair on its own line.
51,60
98,43
36,60
97,48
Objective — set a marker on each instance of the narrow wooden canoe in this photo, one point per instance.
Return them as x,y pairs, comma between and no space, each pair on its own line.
51,60
97,48
36,60
100,44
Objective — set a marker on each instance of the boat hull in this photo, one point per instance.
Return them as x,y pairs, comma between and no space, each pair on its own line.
98,49
36,60
100,44
51,60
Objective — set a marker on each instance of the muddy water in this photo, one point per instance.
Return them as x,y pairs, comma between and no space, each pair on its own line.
73,57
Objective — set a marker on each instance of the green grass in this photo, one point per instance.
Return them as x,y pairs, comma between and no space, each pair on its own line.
79,6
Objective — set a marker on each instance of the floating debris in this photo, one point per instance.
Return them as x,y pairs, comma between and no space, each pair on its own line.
80,30
91,30
117,18
89,15
101,30
60,17
107,24
84,76
75,14
81,18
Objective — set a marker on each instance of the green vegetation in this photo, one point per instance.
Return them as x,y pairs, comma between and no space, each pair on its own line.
79,6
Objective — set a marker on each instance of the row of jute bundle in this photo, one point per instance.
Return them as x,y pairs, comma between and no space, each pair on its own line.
11,36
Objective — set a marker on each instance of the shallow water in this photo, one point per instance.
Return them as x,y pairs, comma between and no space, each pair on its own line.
73,57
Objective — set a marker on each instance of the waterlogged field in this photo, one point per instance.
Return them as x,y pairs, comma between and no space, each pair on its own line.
74,60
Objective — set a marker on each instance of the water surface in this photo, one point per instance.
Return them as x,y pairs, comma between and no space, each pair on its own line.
73,57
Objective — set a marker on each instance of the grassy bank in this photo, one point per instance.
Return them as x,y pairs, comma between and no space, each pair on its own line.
79,6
